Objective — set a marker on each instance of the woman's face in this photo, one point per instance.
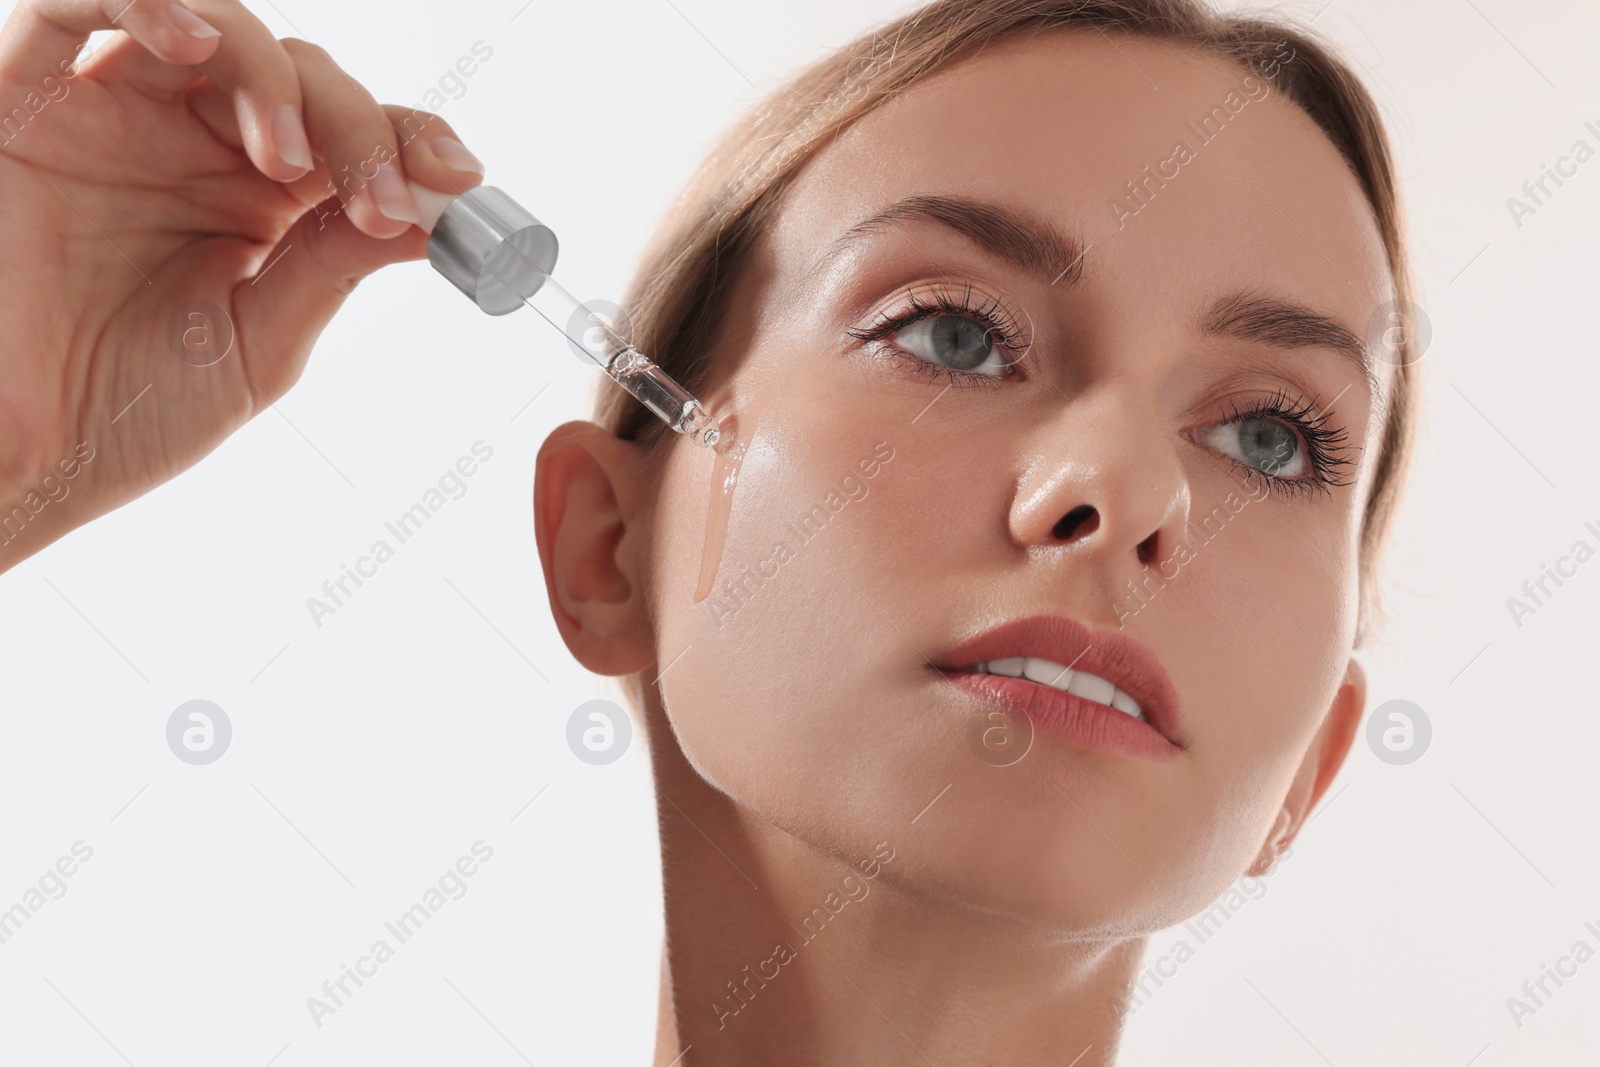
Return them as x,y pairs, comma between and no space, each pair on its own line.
1136,413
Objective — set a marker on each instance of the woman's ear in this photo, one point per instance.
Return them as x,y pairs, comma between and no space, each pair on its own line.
1322,762
588,521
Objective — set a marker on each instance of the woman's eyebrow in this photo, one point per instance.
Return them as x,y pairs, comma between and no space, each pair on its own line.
1015,236
1286,324
1034,245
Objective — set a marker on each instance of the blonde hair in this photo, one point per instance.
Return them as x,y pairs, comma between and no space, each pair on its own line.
678,292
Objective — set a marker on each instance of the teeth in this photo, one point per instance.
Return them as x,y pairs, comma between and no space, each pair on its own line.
1079,683
1092,687
1123,702
1046,671
1010,667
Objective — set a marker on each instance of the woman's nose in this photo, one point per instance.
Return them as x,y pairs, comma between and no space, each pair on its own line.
1107,476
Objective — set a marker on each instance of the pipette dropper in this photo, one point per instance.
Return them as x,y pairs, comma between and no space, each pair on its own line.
500,256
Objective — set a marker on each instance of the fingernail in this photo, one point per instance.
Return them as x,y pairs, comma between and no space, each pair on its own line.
289,133
430,204
190,23
453,154
392,198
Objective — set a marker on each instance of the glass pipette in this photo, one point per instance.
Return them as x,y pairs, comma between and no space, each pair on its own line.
501,257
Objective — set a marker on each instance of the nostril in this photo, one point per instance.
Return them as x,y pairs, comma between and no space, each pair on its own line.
1081,521
1147,549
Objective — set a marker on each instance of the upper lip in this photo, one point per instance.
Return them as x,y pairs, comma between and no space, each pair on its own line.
1118,658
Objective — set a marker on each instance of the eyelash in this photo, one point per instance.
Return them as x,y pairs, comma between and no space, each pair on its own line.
990,315
1324,444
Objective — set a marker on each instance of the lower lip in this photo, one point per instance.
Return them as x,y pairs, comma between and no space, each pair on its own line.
1069,717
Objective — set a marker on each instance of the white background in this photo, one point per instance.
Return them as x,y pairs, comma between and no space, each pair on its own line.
370,753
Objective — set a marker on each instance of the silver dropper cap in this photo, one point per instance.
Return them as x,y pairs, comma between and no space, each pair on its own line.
492,249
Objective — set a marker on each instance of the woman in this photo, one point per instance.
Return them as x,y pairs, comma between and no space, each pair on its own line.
1043,326
1016,623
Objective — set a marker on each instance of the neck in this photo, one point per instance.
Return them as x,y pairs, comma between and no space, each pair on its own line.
778,953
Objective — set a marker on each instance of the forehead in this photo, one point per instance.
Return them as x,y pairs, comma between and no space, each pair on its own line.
1191,172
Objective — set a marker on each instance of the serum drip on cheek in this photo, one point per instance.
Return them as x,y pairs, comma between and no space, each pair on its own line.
738,431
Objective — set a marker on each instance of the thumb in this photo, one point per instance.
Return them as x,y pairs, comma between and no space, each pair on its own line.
305,279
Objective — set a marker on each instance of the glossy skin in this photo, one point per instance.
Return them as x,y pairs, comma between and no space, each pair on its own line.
805,725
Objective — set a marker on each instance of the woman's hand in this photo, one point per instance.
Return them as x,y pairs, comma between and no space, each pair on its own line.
180,215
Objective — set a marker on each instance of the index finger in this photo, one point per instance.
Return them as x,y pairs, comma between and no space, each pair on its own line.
43,38
248,63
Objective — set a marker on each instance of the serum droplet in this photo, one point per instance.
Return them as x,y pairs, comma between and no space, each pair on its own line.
737,431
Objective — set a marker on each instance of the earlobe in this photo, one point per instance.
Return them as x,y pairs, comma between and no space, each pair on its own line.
588,522
1322,761
1277,844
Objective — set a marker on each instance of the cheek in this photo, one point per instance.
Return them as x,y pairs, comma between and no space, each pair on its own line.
1294,596
782,665
1259,626
794,686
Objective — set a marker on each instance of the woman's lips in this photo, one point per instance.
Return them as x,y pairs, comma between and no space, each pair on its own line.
1116,658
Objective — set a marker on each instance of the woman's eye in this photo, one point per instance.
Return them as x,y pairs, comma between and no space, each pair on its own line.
954,341
1262,444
